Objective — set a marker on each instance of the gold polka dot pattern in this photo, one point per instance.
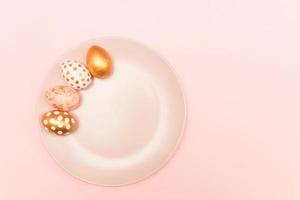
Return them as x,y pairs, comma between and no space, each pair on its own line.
76,74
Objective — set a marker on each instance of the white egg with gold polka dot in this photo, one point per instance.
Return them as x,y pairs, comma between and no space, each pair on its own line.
76,74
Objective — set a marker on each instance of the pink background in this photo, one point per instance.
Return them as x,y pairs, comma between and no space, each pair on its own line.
239,62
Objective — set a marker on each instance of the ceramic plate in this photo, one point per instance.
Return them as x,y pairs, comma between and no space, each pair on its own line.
129,124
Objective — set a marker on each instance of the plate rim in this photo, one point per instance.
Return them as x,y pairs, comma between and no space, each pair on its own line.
179,139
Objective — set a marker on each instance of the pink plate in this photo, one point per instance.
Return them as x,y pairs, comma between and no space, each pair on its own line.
129,124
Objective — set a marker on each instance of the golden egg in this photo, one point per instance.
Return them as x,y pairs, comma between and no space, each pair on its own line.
99,62
59,122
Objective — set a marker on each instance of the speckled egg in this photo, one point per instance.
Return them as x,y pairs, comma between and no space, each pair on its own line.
76,74
63,97
59,122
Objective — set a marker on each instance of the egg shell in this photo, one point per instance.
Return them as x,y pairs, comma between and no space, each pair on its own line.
59,122
63,97
76,74
99,62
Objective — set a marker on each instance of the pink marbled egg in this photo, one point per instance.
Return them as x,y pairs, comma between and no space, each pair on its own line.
63,97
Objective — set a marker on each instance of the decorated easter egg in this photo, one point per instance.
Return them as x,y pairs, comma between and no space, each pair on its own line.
59,122
76,74
99,62
63,97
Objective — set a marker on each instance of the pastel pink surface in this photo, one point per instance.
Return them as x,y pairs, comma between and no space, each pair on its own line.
239,63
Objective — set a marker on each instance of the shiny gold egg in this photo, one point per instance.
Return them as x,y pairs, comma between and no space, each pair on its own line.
59,122
99,62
